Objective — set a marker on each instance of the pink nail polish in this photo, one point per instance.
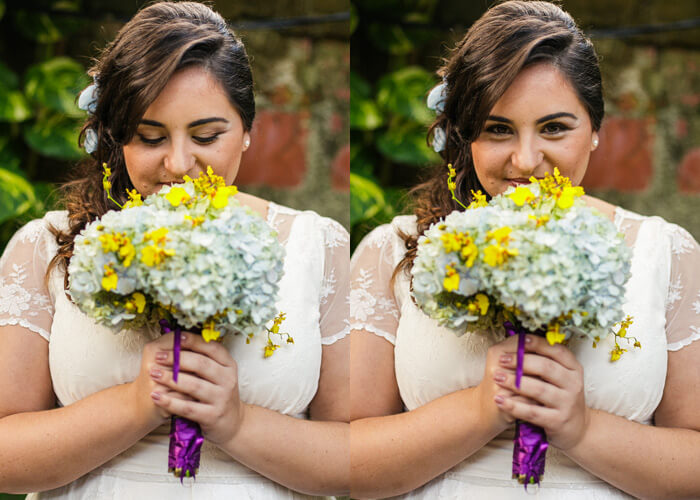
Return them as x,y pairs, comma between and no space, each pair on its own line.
155,395
156,373
499,377
498,399
161,356
505,359
528,339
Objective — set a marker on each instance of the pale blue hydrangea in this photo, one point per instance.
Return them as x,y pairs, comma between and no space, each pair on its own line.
575,263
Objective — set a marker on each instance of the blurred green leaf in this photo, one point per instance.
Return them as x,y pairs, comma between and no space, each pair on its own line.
13,106
55,84
8,78
2,8
361,160
364,113
37,27
405,143
55,136
354,19
9,160
16,195
366,199
403,92
391,39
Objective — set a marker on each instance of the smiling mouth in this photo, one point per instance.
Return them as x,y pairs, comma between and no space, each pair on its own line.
519,181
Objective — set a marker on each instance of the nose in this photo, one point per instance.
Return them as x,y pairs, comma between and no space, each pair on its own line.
527,156
179,160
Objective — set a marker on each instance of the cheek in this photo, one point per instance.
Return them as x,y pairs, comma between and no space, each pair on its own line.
573,160
489,161
141,165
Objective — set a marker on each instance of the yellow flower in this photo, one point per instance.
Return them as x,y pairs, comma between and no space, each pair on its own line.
495,255
479,304
221,195
176,196
554,336
469,252
539,221
451,281
196,221
110,242
110,279
137,303
127,252
479,200
501,235
270,348
210,333
154,255
566,197
134,199
616,352
521,195
157,236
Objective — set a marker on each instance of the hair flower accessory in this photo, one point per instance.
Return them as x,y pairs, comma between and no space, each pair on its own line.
90,142
436,98
88,98
439,139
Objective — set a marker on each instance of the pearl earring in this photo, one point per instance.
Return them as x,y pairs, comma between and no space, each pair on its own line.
595,143
246,143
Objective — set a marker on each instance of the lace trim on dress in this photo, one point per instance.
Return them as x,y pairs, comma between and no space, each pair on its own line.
335,338
677,346
377,331
25,324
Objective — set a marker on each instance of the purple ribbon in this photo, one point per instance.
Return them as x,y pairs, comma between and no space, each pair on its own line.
530,441
185,435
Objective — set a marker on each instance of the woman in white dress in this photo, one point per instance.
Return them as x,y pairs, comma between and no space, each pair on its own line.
521,95
84,412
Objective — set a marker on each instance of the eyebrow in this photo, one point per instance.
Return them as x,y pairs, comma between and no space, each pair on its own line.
539,120
195,123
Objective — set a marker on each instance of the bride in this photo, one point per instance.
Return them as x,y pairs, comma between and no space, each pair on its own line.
84,411
521,95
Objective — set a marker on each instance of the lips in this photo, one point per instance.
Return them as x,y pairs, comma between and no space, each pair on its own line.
518,182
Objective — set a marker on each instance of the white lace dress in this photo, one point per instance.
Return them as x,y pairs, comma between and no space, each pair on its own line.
85,358
663,295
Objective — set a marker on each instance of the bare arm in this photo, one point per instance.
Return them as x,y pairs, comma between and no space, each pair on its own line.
394,454
43,447
310,456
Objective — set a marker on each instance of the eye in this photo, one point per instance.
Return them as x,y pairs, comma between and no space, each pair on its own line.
205,140
498,129
152,142
554,128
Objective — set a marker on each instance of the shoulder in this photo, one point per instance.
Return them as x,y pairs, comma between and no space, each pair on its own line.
680,239
388,235
39,230
331,231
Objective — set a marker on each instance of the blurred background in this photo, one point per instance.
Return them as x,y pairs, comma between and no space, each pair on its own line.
300,53
648,160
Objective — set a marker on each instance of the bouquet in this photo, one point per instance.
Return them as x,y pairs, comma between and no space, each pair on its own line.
533,259
187,257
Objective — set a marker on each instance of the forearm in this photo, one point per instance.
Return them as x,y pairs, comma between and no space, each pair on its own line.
304,455
395,454
47,449
643,460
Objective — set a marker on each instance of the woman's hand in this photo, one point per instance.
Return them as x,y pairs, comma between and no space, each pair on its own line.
552,382
145,385
491,391
206,390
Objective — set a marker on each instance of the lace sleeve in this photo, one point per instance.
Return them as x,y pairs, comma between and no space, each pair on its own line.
373,307
683,300
24,296
335,288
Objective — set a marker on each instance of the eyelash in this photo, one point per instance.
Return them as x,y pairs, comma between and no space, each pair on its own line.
547,129
201,140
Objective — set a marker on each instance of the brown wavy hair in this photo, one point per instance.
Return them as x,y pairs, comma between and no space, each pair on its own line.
158,41
507,38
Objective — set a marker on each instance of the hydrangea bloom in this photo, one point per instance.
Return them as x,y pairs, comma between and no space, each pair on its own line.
536,256
190,253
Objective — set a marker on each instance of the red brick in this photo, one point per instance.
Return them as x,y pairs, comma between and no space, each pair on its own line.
681,128
623,160
277,153
690,100
336,123
689,172
340,179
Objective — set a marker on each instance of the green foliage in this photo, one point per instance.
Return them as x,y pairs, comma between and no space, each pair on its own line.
39,118
389,119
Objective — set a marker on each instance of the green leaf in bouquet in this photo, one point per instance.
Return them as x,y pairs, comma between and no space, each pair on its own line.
16,195
55,136
391,39
403,92
38,27
55,84
366,199
405,142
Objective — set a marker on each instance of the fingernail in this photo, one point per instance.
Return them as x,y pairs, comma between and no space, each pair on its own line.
183,337
498,399
499,377
161,356
155,395
505,358
156,373
528,339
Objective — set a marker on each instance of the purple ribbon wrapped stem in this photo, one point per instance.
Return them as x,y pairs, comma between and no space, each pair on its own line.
530,442
185,435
